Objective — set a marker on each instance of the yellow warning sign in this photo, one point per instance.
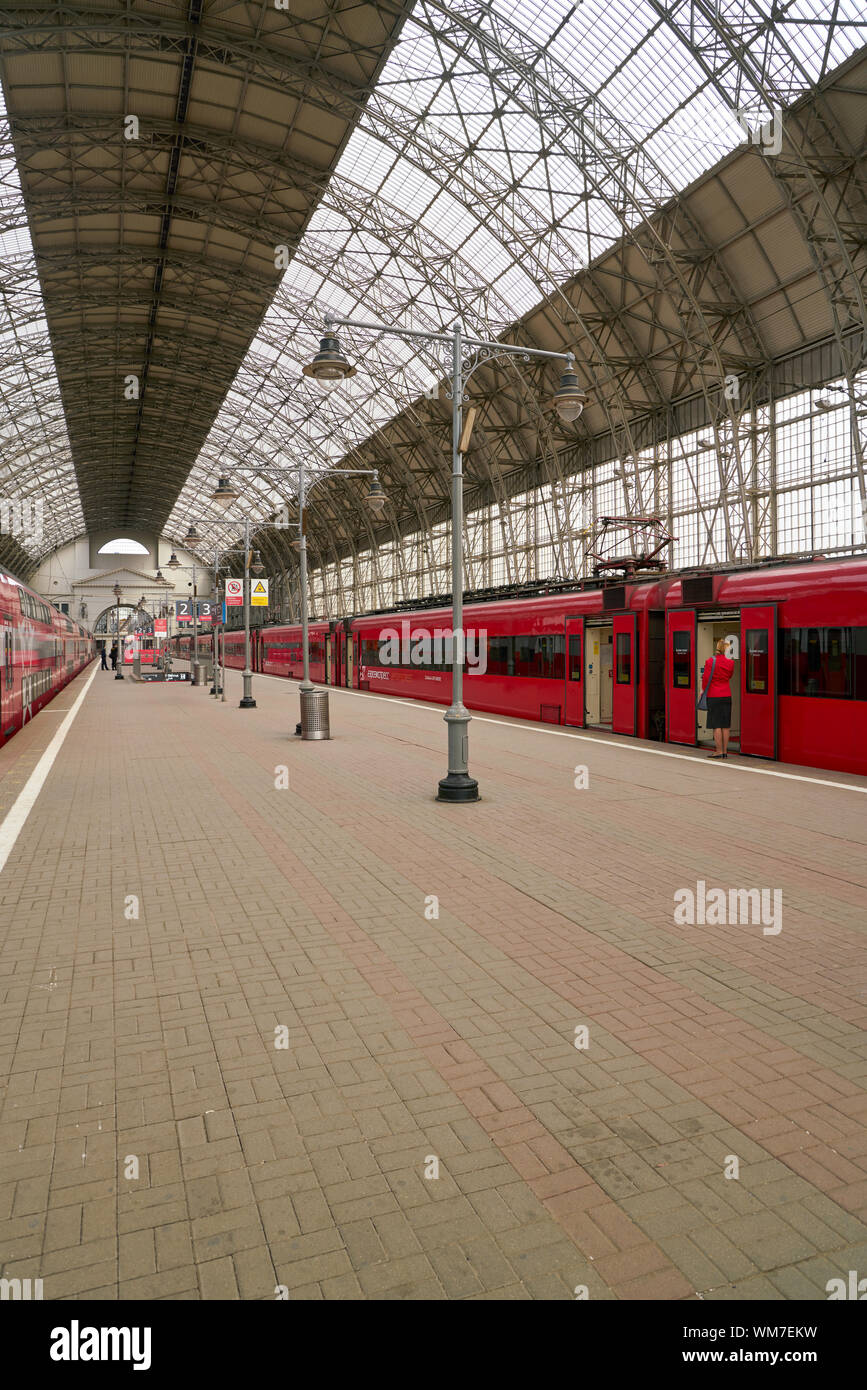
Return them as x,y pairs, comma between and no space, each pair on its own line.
259,593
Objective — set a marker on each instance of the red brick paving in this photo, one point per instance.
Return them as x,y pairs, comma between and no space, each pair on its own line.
151,1040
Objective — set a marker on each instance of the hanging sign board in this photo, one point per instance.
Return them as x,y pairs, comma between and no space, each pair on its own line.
259,593
184,610
207,610
234,592
161,627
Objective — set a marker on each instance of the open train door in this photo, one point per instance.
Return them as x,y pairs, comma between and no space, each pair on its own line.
759,679
680,676
7,680
624,705
574,699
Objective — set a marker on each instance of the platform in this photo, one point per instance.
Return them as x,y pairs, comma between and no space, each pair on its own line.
167,909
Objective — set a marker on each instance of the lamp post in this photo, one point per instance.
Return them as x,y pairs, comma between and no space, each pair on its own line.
224,493
118,673
329,368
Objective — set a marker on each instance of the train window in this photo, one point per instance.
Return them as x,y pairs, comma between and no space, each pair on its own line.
681,660
8,654
575,656
623,659
756,667
824,662
501,656
369,651
540,657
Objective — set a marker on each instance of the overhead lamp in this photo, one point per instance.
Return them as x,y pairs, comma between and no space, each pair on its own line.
824,403
329,367
706,444
376,496
569,398
117,591
160,577
257,567
174,563
224,493
192,537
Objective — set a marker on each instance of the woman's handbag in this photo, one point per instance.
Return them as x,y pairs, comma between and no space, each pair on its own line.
702,699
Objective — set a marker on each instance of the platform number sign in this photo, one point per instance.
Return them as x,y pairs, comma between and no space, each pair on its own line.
208,610
184,610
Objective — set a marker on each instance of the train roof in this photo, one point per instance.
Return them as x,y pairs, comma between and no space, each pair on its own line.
12,580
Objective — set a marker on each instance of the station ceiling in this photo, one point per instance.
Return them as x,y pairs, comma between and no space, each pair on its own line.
189,188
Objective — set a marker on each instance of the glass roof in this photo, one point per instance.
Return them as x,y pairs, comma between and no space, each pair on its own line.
507,145
36,469
510,197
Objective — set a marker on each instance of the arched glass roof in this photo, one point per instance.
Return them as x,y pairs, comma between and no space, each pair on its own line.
602,175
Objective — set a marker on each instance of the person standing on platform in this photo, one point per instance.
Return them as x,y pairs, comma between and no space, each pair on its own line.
718,671
114,657
103,663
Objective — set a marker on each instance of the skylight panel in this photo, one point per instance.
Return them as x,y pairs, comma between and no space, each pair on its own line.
34,448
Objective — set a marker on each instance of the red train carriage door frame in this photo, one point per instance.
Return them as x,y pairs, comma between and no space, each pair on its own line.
624,718
759,680
573,703
681,693
7,679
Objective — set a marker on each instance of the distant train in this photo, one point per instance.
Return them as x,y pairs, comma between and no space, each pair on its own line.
41,649
625,657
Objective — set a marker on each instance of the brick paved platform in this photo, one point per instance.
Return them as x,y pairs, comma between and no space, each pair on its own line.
156,1143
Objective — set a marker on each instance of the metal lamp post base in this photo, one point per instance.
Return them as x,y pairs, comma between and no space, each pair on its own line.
247,702
118,675
458,786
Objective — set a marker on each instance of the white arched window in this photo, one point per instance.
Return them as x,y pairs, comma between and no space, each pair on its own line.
123,546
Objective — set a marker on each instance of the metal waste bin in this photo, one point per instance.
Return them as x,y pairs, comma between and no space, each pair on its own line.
314,714
198,673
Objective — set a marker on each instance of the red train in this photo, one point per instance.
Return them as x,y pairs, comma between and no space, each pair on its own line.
40,651
626,657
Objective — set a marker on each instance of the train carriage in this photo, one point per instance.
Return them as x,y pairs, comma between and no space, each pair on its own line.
41,650
623,657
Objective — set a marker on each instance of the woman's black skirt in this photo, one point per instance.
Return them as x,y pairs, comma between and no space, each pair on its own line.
719,711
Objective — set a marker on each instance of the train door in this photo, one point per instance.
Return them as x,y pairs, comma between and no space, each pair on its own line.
598,674
709,630
329,659
7,681
758,680
624,714
574,699
350,660
680,676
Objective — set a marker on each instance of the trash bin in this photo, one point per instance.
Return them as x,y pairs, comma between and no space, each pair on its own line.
314,714
198,673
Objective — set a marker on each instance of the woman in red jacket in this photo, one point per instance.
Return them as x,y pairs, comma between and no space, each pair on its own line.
719,697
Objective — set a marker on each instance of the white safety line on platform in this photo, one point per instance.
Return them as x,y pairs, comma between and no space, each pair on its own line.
13,822
587,738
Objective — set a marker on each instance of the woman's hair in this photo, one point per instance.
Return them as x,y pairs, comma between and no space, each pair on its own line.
722,644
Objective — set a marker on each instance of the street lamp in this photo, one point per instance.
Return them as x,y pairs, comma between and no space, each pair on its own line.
328,368
173,563
118,673
376,498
